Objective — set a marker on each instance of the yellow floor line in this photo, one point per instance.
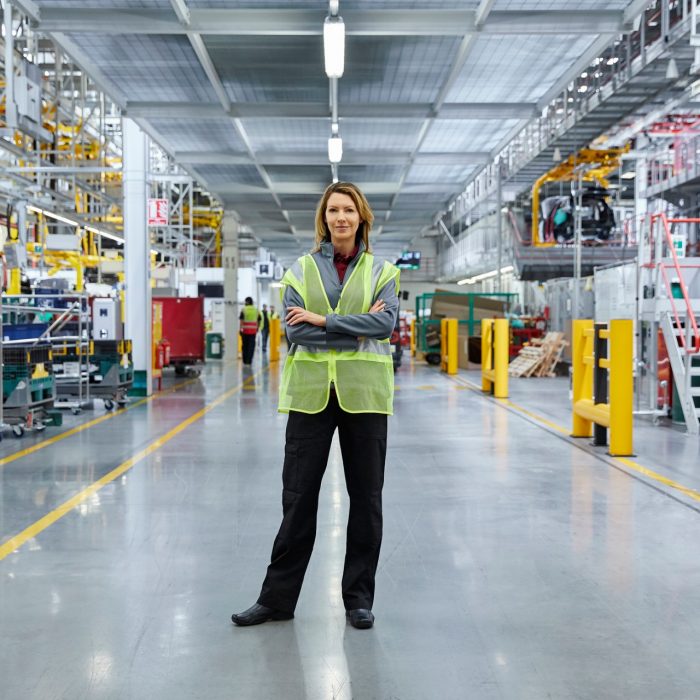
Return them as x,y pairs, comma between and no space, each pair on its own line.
90,424
629,463
39,526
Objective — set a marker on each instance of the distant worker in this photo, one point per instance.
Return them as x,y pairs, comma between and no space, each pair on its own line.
341,306
264,327
249,328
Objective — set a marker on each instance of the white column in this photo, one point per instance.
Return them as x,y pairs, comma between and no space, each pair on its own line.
137,250
229,258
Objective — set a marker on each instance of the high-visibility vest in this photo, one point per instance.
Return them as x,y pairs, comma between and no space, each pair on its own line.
249,325
364,378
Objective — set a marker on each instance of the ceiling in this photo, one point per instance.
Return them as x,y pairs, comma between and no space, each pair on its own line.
235,90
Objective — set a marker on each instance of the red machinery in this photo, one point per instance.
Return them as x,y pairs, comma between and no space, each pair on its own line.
183,328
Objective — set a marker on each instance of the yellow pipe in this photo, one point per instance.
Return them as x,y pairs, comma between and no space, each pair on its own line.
597,413
275,333
621,387
582,375
486,356
604,363
501,343
452,326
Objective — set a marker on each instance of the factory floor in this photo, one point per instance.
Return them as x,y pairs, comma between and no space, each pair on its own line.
516,564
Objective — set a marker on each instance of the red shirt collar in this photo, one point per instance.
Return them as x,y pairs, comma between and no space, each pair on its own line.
340,258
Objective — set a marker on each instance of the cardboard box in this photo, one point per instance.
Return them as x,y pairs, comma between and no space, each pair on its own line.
463,348
456,306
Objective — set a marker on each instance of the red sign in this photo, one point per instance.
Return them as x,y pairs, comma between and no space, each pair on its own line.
158,212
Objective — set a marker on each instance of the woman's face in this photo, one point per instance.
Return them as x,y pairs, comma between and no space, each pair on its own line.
342,219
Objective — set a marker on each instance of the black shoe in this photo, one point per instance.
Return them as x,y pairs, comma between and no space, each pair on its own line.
361,618
257,614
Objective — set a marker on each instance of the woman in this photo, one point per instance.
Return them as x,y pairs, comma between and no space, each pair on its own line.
341,306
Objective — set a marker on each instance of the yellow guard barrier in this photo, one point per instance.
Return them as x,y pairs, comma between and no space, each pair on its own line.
495,338
600,350
449,330
275,333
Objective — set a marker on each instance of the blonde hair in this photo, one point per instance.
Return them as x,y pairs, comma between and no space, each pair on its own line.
363,209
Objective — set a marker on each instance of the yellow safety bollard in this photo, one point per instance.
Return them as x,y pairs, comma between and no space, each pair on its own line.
274,340
495,339
486,354
240,345
621,355
413,337
501,341
582,373
449,328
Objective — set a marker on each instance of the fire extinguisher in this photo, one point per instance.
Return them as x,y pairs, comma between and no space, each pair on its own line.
158,356
166,352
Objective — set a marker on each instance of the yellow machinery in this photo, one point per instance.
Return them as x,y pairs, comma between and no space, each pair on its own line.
495,341
591,360
599,164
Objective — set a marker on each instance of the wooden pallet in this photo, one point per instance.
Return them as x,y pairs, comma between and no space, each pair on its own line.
540,357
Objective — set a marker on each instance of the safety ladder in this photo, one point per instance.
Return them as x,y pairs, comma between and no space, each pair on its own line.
686,371
680,324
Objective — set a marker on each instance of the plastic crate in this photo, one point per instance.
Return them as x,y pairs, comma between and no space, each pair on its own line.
23,331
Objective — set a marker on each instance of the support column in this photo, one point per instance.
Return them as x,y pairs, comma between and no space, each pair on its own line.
229,261
137,252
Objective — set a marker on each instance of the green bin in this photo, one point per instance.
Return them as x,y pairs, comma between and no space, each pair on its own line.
215,346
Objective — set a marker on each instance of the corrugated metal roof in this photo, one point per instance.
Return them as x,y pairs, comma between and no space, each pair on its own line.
420,108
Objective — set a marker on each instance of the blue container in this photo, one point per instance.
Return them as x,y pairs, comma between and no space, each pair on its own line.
23,331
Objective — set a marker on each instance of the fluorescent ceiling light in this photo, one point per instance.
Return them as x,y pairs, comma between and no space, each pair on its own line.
335,149
334,46
486,275
51,215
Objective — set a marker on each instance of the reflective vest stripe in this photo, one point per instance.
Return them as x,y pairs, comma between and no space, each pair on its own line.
249,324
363,378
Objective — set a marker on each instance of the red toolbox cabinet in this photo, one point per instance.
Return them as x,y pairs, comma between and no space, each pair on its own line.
183,328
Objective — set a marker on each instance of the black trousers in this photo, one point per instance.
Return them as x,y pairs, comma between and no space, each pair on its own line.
363,446
248,347
263,340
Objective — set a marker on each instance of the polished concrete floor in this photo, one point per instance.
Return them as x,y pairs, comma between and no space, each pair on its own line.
515,565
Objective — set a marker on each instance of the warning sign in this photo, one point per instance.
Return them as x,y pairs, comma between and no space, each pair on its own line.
158,212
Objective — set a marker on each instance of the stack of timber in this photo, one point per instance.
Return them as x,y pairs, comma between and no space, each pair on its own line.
540,357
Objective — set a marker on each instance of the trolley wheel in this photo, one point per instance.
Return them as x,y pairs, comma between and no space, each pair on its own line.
179,371
76,411
39,427
109,404
433,358
18,431
121,403
193,372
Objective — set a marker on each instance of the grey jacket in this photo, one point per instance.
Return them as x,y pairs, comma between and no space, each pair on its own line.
342,331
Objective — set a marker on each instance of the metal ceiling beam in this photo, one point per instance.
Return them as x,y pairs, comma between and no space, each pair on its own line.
279,22
369,188
465,48
306,110
305,158
185,20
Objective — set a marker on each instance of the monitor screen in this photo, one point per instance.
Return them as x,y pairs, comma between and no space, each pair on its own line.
410,260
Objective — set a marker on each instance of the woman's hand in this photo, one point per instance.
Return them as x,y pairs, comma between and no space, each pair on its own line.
296,315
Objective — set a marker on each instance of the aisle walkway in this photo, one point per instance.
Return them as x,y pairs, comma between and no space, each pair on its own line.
514,565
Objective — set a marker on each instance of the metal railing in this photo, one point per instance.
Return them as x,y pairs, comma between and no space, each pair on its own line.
691,345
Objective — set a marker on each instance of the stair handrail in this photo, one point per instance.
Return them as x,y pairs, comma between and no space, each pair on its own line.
690,315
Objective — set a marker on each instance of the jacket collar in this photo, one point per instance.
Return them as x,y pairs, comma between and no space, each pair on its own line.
327,249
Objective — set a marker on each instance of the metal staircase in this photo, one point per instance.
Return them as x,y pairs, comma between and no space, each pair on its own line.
686,371
681,283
